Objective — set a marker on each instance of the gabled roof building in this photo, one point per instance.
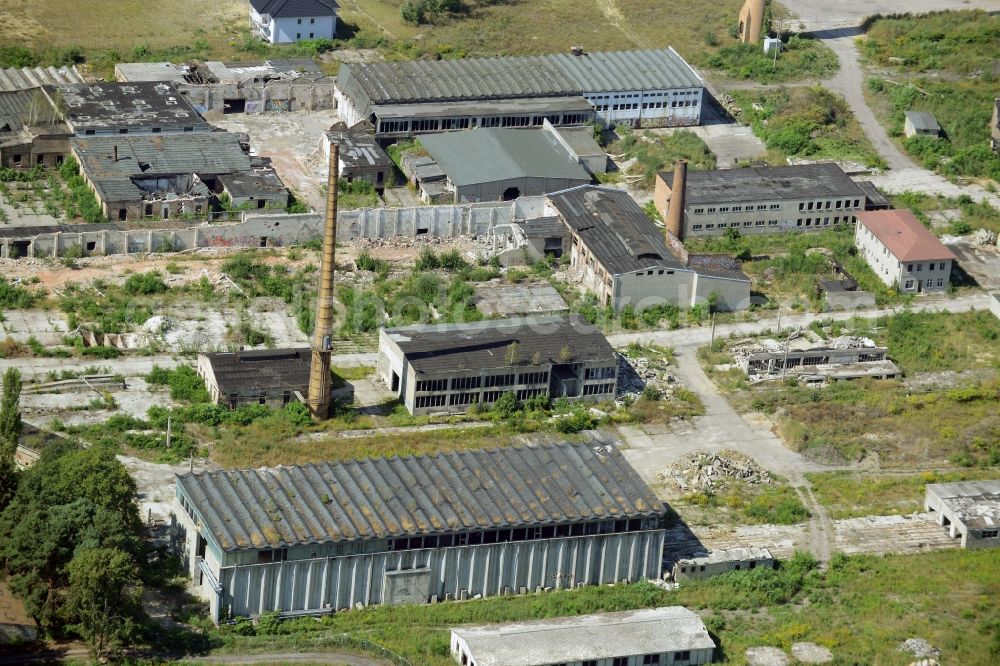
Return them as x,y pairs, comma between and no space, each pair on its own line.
654,87
273,377
902,251
622,256
286,21
314,539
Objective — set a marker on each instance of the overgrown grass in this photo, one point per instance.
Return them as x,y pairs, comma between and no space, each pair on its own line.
811,123
861,607
972,215
737,502
955,58
655,152
853,494
802,57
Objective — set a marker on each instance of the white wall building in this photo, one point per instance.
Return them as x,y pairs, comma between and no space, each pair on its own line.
670,635
902,251
286,21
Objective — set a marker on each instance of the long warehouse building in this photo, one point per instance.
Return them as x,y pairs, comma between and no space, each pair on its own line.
314,539
648,88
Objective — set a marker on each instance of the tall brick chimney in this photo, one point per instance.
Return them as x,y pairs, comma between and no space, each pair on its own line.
678,189
319,372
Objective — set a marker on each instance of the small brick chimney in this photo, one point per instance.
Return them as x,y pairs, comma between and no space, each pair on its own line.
678,189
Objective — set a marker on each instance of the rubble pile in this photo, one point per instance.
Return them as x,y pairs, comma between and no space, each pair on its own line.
703,471
919,648
850,342
636,374
983,237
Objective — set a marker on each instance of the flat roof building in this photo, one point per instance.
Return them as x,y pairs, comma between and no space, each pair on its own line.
623,258
642,87
811,358
970,510
360,157
804,197
665,635
447,368
272,377
502,164
313,539
127,108
902,251
721,561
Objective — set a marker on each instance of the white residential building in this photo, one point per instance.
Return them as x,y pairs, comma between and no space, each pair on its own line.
902,251
286,21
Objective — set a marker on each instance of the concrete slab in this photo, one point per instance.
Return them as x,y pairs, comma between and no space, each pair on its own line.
928,182
810,653
891,534
766,656
728,141
498,298
981,262
47,326
825,15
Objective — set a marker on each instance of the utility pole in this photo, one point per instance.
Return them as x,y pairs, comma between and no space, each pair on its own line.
778,45
712,344
169,424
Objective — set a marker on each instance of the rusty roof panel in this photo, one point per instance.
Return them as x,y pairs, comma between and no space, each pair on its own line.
380,498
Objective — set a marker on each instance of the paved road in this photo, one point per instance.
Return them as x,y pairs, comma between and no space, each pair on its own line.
824,14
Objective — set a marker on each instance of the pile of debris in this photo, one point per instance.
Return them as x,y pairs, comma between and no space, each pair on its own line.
635,374
849,342
983,237
705,472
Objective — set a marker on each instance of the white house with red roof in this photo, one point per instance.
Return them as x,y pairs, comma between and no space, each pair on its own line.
902,251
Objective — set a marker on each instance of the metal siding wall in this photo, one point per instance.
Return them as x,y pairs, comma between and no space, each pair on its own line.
324,584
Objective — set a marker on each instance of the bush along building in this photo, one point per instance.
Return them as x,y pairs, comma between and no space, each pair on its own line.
622,256
314,539
649,88
447,368
807,197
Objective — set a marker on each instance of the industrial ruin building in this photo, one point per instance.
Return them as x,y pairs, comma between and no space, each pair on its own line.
112,109
806,197
622,256
361,158
920,123
722,561
287,21
496,165
314,539
162,177
810,359
212,87
667,636
447,368
272,377
32,133
902,252
969,509
640,88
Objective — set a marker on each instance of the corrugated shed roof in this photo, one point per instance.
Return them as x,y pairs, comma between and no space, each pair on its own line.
522,76
656,69
471,79
485,155
801,181
483,345
903,234
378,498
32,77
258,370
209,153
17,107
587,637
614,227
923,121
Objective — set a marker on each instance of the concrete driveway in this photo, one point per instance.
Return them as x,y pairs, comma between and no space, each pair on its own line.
825,15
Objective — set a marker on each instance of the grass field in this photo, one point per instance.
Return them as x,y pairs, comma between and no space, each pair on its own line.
861,607
948,64
853,494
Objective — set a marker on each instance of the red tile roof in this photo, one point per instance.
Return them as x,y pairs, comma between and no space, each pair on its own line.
904,235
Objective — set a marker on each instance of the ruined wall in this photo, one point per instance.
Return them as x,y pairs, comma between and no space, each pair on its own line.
446,221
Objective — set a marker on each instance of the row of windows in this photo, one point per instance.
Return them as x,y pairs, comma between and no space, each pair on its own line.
499,380
462,383
533,378
920,267
435,124
930,283
647,95
463,398
431,385
429,401
598,389
312,20
124,130
525,394
746,223
600,373
737,209
517,534
821,205
816,222
658,272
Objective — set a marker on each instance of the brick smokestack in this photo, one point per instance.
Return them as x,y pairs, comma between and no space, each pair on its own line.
678,191
319,371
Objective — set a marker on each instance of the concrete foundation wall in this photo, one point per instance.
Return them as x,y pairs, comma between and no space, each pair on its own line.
444,221
733,295
323,585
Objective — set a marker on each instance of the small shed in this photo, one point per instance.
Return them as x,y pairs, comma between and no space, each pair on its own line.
921,123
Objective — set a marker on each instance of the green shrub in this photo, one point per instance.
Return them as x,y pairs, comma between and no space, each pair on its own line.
145,283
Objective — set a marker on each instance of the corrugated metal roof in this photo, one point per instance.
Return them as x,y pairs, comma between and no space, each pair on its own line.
657,69
269,369
483,345
485,155
780,183
602,636
210,153
33,77
615,229
523,76
380,498
923,121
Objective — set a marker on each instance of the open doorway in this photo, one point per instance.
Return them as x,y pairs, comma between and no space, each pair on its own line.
511,193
